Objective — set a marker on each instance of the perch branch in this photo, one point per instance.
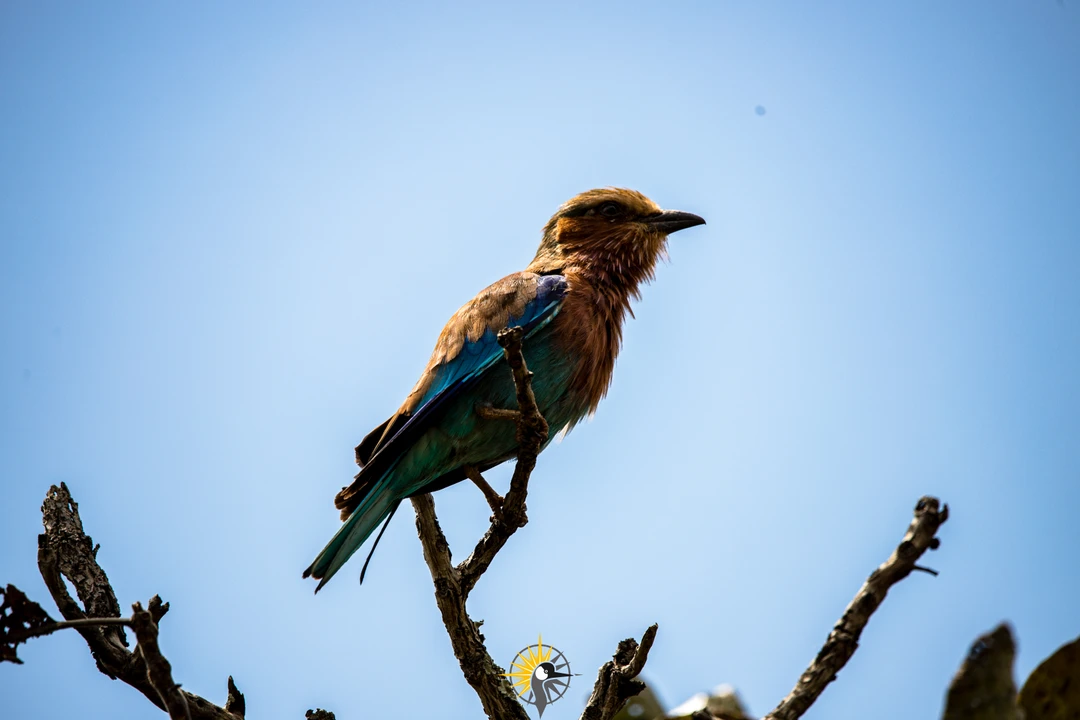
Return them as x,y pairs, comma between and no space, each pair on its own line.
532,432
481,672
844,638
453,584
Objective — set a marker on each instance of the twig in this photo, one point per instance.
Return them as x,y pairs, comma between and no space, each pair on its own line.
158,669
22,619
844,638
64,624
615,683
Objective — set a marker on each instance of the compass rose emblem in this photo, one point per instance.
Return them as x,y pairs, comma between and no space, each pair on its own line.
541,675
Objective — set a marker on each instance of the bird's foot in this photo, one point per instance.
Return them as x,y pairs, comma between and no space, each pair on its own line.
491,413
494,499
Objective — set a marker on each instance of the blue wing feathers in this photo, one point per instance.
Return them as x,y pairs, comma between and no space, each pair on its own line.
454,377
476,356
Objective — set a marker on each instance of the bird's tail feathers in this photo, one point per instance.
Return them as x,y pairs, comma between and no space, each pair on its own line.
377,506
350,498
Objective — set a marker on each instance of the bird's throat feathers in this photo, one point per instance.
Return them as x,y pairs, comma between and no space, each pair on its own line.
606,258
612,254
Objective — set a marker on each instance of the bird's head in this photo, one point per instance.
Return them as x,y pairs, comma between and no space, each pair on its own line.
620,230
545,671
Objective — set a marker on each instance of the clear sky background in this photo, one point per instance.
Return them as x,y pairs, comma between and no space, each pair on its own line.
231,233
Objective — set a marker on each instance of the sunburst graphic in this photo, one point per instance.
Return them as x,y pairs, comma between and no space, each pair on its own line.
526,661
540,674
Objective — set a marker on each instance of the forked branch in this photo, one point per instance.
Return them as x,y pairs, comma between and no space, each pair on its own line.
615,683
65,551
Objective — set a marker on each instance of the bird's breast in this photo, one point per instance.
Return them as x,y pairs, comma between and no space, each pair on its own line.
588,332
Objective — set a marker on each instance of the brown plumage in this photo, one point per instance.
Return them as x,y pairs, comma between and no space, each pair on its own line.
605,260
599,241
595,253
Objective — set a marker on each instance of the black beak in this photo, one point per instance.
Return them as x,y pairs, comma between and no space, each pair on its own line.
671,221
558,674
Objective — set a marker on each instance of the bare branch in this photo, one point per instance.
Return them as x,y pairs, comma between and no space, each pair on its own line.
453,584
844,638
64,550
158,669
481,672
85,622
65,624
532,432
615,683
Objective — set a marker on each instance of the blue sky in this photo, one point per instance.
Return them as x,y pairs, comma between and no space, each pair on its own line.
230,235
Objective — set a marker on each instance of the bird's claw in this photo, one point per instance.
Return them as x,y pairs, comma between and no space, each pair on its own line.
494,499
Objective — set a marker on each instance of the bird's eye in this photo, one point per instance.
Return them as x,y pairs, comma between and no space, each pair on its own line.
610,209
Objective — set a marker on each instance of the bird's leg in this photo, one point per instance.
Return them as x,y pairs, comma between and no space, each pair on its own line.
494,499
492,413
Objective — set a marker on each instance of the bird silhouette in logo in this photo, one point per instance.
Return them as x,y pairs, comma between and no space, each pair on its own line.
543,677
540,671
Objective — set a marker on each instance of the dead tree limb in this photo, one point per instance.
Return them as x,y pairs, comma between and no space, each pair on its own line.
158,669
844,638
22,619
615,683
65,551
480,670
532,432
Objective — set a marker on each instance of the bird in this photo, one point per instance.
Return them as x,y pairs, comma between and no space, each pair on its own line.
571,301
